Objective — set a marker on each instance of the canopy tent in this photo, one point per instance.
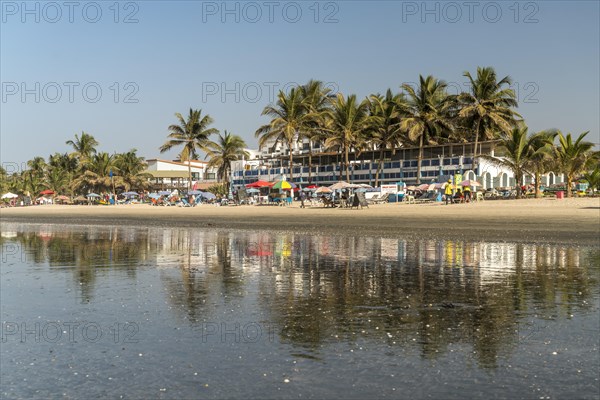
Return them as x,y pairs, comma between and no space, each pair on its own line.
46,192
90,195
9,195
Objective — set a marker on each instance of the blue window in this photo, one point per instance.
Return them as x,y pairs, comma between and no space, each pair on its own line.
387,165
435,163
406,164
396,164
425,163
413,163
455,161
447,161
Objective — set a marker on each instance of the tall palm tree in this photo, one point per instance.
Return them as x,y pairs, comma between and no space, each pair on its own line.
57,180
83,147
572,158
487,109
425,112
131,169
540,157
223,152
349,122
517,150
318,100
192,134
385,132
289,118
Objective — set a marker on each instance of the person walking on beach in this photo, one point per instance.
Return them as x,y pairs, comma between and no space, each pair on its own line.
302,197
448,191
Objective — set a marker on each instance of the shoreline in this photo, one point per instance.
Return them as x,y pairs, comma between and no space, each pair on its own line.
574,220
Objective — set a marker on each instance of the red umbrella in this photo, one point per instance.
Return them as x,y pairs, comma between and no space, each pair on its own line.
259,184
47,191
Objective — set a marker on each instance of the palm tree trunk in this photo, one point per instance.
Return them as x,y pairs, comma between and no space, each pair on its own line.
474,163
291,162
309,162
379,167
538,194
189,175
419,158
569,180
347,164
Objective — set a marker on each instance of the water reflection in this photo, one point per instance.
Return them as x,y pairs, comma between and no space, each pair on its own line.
424,295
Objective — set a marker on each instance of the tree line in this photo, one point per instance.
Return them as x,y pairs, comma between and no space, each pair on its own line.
413,117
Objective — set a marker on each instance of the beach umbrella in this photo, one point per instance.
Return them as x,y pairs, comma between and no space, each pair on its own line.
364,185
470,183
323,189
46,192
208,195
92,195
63,198
9,195
252,190
154,195
423,186
412,187
285,185
164,192
130,194
259,184
313,186
195,192
340,185
79,198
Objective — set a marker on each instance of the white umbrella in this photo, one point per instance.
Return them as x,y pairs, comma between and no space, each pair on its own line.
92,195
340,185
323,189
9,195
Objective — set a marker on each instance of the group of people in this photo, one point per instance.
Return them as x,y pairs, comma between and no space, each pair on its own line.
459,196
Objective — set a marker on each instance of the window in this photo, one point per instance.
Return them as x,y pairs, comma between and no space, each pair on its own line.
425,163
396,164
435,163
195,176
210,176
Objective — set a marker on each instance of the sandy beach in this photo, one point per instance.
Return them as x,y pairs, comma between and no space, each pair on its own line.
536,220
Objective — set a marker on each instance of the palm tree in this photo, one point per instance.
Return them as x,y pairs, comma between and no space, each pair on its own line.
517,150
192,134
425,114
593,178
349,122
572,158
97,174
38,166
57,180
131,169
540,158
83,147
222,153
290,117
385,132
318,99
487,109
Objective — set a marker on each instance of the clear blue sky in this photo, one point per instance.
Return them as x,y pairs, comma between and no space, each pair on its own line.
197,54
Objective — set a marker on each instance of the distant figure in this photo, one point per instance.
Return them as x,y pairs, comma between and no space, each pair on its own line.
458,197
302,198
448,191
467,193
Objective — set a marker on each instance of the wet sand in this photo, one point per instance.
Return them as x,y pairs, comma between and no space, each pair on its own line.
532,220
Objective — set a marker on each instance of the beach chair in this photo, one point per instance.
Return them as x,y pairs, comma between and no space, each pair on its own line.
359,200
409,199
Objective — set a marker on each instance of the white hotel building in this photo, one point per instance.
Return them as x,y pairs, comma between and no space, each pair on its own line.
271,163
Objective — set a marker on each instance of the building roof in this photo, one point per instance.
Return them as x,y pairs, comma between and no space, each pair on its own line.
184,163
168,174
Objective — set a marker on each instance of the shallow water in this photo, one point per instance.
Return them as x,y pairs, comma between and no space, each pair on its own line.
180,313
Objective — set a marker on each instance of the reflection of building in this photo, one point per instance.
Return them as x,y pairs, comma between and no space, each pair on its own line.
174,174
271,161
